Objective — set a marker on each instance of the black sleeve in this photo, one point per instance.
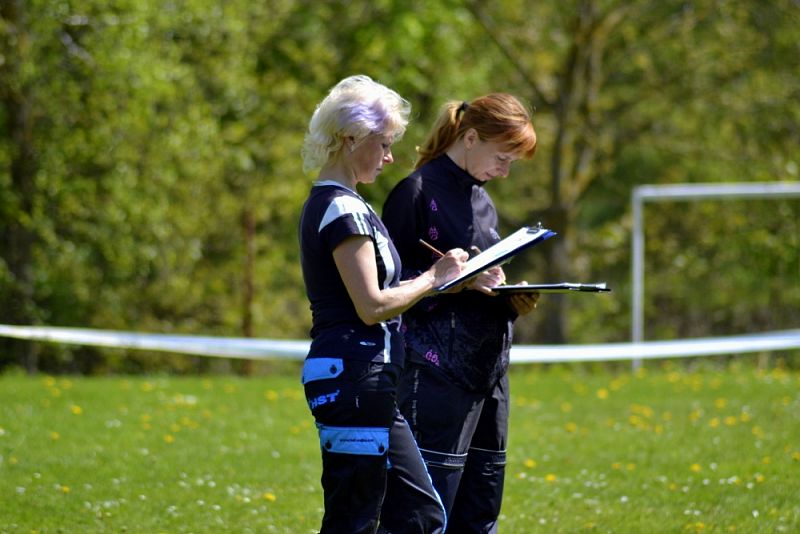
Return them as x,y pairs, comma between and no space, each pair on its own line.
403,215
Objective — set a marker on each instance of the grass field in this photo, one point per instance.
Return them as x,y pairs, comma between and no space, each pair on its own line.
715,449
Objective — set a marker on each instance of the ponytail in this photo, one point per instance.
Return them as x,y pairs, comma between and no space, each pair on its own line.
497,117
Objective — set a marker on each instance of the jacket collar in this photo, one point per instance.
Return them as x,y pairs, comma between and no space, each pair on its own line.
462,177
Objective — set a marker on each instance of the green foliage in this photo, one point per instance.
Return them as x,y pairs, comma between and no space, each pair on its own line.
150,176
708,450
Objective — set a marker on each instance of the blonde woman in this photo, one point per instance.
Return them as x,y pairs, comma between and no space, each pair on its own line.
372,472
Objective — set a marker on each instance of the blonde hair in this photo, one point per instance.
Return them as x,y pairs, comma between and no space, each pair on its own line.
355,107
497,117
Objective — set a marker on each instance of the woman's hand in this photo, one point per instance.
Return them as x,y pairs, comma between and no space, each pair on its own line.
488,279
524,303
448,266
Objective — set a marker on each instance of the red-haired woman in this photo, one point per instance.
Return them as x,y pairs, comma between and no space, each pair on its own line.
454,389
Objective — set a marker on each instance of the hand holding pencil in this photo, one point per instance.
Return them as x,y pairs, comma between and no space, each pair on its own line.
448,266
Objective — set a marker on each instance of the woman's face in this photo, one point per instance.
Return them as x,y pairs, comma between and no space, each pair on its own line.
369,155
487,160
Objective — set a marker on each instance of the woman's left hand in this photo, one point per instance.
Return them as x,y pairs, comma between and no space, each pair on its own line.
488,279
524,303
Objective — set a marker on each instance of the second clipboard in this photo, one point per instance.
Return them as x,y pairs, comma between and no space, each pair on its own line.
565,287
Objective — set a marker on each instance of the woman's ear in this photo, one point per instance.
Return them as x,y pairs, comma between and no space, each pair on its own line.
470,138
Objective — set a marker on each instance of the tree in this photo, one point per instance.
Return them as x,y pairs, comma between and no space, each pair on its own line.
624,88
17,154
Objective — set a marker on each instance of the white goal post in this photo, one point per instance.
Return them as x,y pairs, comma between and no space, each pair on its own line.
684,192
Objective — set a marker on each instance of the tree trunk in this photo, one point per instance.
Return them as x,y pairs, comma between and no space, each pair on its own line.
553,329
248,284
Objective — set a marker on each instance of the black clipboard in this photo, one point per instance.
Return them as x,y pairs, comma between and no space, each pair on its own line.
564,287
500,252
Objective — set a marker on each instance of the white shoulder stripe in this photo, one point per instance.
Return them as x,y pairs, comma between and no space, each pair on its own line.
345,205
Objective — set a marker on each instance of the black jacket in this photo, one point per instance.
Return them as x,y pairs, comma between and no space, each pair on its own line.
467,335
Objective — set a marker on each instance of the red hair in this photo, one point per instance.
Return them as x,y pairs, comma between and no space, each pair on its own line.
497,117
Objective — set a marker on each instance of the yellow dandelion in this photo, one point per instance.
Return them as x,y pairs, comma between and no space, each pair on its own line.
571,427
757,431
744,417
566,407
696,468
271,395
796,456
270,497
616,465
760,478
766,460
602,393
617,383
720,403
64,489
530,463
630,466
169,438
550,477
55,435
731,420
714,423
673,377
147,386
13,460
76,410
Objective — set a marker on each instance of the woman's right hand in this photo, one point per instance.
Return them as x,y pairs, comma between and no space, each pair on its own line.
448,266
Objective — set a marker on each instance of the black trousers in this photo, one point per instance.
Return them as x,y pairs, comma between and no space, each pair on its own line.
372,471
462,436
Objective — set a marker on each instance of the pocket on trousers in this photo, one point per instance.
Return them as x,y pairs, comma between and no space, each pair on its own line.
322,369
354,440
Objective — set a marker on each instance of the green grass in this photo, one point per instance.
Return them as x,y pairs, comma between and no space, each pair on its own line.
661,450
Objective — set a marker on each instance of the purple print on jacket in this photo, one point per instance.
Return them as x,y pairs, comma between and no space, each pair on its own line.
432,357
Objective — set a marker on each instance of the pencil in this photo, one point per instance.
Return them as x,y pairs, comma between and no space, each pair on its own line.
431,247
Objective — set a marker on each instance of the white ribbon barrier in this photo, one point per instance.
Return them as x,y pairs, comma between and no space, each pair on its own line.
229,347
260,349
